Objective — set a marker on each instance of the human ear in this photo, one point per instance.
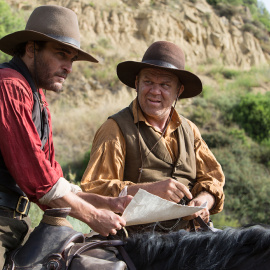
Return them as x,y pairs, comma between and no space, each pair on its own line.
136,83
180,91
30,49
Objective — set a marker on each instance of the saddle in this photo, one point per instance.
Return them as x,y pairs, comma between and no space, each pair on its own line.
60,247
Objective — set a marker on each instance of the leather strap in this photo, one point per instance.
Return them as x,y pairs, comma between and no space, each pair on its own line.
203,226
5,212
126,258
104,243
17,203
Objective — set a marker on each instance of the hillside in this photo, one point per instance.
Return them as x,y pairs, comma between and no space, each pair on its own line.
231,61
120,30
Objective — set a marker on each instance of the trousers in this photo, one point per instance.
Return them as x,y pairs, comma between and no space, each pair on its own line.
13,233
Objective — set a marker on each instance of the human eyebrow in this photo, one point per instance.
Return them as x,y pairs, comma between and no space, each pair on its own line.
67,51
63,49
147,77
168,82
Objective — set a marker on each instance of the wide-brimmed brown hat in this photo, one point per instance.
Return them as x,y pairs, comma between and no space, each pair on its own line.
167,56
48,23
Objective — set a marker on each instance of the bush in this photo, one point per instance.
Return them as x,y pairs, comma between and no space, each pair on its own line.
226,10
260,15
201,116
247,187
74,171
253,115
216,139
9,22
222,220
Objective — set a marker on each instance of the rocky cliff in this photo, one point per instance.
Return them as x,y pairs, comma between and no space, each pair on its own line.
129,27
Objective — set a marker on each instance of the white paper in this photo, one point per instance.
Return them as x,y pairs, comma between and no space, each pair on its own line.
146,208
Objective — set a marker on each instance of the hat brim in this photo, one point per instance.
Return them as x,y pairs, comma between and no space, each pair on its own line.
128,70
9,42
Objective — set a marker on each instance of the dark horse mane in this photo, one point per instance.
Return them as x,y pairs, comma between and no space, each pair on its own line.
232,248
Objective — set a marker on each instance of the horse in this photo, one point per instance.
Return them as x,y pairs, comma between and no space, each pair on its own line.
245,248
62,248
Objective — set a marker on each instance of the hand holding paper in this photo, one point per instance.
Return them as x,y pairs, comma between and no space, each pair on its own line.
146,208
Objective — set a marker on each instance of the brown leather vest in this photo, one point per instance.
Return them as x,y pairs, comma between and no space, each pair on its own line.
157,164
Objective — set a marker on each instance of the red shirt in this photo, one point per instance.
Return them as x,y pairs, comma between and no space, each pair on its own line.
20,144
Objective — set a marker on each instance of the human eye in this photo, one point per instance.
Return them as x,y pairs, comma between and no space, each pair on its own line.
61,54
75,58
165,85
147,82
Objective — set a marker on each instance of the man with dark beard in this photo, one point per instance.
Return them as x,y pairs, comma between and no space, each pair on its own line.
43,55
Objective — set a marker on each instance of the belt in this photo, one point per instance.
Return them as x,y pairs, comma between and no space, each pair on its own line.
6,212
19,205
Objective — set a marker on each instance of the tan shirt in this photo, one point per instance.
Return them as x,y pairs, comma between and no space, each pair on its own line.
105,170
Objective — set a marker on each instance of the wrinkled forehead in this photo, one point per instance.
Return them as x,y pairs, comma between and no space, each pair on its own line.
157,72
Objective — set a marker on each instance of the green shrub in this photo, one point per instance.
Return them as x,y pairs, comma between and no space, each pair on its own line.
74,171
230,73
247,188
225,9
216,139
261,154
201,115
263,15
260,15
225,72
253,115
9,22
222,220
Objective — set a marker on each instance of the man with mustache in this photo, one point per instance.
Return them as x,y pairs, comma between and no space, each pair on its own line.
149,145
43,55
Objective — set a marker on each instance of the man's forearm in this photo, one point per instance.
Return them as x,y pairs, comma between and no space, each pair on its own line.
102,221
78,206
133,189
96,200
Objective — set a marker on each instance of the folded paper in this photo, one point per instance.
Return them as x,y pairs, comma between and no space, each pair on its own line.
146,208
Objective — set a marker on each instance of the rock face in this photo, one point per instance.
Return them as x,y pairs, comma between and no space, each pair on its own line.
131,26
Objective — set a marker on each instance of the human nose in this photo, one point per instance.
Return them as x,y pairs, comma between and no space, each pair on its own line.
155,88
67,66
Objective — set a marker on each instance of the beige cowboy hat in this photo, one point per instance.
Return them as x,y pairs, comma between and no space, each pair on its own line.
48,23
165,55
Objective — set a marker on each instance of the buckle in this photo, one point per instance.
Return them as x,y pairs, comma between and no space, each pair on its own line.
22,205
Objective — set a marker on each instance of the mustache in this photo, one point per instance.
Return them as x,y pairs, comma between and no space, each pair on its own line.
61,74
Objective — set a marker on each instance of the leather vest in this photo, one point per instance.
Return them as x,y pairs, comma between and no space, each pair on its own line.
157,163
39,117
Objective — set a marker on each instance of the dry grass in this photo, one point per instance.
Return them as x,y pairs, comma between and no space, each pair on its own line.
74,126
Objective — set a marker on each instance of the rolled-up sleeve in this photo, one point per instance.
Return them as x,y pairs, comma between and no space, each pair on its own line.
209,174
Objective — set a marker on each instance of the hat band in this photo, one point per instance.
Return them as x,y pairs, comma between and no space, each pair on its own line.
159,63
66,40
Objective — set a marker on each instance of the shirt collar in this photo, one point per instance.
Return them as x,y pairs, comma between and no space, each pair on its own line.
138,116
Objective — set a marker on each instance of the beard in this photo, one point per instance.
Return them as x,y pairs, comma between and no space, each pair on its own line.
45,77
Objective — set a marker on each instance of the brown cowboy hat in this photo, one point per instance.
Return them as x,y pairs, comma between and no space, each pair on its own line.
48,23
165,55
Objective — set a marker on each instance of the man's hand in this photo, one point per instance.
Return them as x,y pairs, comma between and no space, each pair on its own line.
106,222
101,220
119,204
198,201
169,189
